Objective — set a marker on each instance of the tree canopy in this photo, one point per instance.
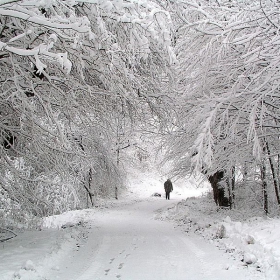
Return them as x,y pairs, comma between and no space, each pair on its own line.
80,79
74,77
228,54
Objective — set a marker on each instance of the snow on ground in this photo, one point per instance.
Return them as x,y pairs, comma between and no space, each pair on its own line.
125,242
253,241
62,248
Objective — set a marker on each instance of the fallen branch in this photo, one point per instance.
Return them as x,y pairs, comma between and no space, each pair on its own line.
7,238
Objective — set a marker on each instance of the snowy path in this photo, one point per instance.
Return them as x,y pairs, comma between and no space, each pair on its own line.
127,243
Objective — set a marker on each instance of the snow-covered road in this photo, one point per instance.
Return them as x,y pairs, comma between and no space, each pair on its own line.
127,243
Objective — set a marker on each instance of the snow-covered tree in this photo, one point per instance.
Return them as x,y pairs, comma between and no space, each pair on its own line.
67,70
228,77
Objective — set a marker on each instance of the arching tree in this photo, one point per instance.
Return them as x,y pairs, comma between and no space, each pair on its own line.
67,70
228,77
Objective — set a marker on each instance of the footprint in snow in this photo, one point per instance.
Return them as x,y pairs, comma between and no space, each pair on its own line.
120,265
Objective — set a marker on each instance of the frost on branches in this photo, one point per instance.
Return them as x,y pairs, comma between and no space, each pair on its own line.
70,70
228,53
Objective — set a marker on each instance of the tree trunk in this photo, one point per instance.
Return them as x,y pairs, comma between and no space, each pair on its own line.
88,188
264,188
89,193
231,187
274,175
118,162
218,192
277,161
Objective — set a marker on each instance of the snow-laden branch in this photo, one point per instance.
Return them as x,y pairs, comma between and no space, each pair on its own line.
252,134
77,26
41,51
151,26
203,145
3,2
231,55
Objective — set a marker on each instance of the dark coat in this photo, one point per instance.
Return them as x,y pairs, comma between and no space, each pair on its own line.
168,187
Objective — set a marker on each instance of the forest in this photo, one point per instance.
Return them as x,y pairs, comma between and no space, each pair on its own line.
89,87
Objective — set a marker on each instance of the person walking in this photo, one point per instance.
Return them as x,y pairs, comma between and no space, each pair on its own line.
168,187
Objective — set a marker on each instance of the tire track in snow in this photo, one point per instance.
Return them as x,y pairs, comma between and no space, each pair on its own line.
95,262
127,244
200,254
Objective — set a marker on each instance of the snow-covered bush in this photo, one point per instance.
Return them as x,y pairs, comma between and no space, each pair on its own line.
249,237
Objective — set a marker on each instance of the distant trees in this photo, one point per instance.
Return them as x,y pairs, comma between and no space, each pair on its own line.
228,78
69,71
